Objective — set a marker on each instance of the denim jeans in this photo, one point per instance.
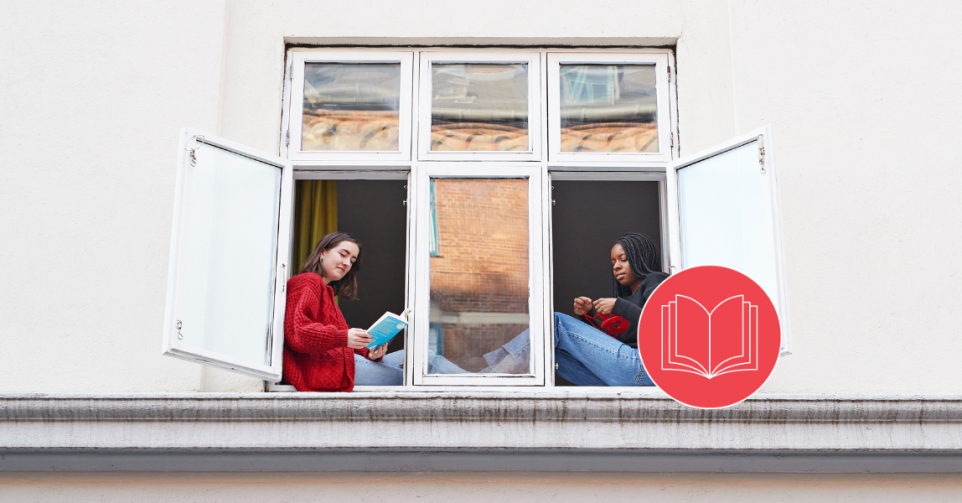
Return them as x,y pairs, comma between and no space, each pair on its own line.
387,372
587,356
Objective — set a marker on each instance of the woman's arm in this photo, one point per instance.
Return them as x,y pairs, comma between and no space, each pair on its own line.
305,335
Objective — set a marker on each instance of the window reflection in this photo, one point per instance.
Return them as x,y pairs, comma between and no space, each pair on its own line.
479,278
351,106
608,108
479,107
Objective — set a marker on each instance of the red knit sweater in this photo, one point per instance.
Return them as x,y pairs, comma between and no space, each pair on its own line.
316,356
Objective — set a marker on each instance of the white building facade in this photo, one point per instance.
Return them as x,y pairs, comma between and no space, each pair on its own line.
857,102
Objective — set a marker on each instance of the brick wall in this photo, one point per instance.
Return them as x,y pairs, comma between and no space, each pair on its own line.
482,265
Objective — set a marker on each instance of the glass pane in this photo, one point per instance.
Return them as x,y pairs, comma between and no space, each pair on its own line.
351,106
230,255
479,277
608,108
725,216
479,107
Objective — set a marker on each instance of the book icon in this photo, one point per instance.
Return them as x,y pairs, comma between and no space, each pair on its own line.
712,342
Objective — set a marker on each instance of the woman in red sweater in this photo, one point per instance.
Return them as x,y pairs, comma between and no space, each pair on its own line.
319,347
321,353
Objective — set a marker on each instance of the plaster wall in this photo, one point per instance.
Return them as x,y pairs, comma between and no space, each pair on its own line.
864,98
92,96
569,487
861,96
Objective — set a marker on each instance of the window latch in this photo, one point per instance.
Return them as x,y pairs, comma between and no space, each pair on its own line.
180,325
761,153
193,151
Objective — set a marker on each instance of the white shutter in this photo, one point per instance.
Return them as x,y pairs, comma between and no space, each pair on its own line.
228,257
723,210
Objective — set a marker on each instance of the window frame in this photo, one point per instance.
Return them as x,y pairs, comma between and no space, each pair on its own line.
768,166
328,167
299,60
424,90
662,62
539,325
177,271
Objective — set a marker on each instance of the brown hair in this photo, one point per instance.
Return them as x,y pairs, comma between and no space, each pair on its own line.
345,287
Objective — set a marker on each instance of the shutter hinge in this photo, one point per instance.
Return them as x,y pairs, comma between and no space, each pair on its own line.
669,75
761,153
287,139
672,139
290,70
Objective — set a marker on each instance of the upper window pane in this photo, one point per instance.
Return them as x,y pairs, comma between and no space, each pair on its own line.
608,108
351,106
479,107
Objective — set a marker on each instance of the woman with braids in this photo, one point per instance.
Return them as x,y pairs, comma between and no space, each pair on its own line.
321,353
601,348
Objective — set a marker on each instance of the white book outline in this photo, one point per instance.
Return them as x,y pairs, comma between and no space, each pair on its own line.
669,339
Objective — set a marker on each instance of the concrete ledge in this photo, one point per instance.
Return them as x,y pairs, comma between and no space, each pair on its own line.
553,430
376,460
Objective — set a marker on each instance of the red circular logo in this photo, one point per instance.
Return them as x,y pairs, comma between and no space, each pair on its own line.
709,336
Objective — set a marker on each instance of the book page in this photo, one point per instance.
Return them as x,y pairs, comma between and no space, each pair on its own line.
728,331
691,338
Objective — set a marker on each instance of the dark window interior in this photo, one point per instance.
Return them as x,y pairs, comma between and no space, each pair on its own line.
587,218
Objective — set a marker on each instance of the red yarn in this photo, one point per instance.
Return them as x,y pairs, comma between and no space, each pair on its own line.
316,356
611,323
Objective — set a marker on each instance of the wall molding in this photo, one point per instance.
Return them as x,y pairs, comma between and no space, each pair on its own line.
473,430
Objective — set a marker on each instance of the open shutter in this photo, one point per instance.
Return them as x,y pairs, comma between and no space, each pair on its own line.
723,210
228,257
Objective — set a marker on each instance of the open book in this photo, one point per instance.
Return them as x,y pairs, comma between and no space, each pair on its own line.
709,343
386,327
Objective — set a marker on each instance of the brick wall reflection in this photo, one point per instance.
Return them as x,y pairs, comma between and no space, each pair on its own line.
482,267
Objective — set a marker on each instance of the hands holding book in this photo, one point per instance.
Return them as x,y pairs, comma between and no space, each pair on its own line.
377,352
358,338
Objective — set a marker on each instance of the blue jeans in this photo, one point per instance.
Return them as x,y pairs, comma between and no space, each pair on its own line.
587,356
387,372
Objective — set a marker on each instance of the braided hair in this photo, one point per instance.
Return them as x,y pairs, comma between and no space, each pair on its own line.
642,258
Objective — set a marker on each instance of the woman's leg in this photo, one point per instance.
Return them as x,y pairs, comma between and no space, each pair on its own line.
388,371
440,365
368,373
610,360
574,371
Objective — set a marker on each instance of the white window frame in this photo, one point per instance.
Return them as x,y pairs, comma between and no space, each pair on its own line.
662,61
172,345
535,86
637,168
299,59
539,328
767,168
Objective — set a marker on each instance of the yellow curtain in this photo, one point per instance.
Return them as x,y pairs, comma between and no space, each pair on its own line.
315,216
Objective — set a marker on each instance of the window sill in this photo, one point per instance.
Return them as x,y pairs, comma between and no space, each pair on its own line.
577,429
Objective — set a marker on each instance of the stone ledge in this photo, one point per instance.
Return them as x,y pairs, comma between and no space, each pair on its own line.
576,425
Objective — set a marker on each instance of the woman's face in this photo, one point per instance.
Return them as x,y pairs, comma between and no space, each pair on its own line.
338,260
620,267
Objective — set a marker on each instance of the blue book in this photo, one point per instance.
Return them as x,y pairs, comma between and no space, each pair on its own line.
385,328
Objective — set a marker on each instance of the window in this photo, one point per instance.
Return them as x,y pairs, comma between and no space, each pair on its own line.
607,107
231,213
353,106
479,174
477,106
